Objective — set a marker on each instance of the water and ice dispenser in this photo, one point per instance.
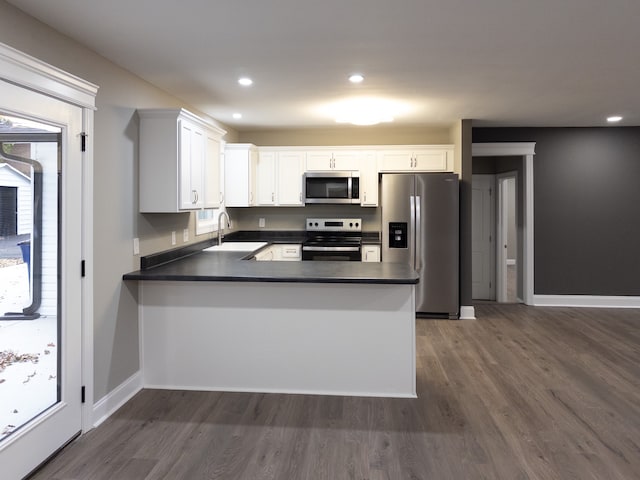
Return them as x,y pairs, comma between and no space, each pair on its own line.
398,235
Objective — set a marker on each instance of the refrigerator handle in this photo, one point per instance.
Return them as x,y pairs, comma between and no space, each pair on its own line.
412,229
418,236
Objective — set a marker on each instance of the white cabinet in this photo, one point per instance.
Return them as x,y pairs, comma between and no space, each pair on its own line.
290,178
266,178
240,171
369,179
212,192
280,253
176,161
325,160
280,177
370,253
436,158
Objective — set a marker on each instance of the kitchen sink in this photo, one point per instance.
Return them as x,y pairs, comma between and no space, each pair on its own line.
236,247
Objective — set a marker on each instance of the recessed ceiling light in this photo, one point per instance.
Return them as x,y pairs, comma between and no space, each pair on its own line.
614,119
237,116
245,81
356,78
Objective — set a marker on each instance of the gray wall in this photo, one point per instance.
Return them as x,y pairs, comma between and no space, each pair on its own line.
586,207
116,221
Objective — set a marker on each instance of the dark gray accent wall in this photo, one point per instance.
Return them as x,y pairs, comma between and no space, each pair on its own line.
586,207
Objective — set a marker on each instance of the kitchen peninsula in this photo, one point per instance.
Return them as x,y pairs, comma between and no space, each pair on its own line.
217,321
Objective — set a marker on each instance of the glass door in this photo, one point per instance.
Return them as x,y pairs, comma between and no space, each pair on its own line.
40,284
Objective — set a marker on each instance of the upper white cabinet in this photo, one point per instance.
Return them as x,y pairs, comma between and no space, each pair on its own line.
280,175
428,158
178,153
369,179
240,172
326,159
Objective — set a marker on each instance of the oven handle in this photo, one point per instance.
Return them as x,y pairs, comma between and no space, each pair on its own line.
331,249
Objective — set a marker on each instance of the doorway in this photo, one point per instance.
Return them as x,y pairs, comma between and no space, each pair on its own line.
506,158
507,238
40,145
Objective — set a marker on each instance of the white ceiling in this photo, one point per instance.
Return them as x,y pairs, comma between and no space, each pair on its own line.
498,62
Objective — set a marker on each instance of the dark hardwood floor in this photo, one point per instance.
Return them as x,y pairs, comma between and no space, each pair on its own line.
520,393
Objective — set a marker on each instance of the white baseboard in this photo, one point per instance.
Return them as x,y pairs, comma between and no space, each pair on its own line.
107,405
586,301
467,312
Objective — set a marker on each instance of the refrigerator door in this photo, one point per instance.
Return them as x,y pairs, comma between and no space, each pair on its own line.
437,240
398,229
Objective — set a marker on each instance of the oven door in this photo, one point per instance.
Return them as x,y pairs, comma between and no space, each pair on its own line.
340,254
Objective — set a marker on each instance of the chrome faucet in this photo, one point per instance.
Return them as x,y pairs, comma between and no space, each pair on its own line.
221,227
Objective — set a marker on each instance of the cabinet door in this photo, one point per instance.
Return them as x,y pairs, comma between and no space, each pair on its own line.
319,161
346,160
430,160
212,172
369,180
290,172
239,177
396,160
191,163
266,178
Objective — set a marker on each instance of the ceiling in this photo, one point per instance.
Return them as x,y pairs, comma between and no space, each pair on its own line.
498,62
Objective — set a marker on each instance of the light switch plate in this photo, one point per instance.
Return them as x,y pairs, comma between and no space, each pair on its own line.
261,222
185,235
136,246
173,237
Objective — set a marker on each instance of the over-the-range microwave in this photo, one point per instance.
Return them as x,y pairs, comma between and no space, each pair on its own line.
332,187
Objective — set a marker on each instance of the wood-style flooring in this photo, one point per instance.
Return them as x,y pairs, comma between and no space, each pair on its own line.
520,393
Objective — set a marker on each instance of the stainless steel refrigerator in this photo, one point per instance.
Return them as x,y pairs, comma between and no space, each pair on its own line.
420,226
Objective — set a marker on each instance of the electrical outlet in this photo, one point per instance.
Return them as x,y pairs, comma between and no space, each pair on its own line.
136,246
261,222
173,237
185,235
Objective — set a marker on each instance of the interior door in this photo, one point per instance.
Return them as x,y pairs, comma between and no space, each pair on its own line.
30,442
482,237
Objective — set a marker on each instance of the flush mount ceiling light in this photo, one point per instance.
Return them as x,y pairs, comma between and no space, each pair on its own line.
365,110
356,78
245,81
614,118
237,116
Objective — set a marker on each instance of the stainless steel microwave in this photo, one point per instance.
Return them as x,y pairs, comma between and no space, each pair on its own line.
332,187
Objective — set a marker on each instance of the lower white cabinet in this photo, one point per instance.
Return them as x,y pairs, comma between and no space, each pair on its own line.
370,253
281,253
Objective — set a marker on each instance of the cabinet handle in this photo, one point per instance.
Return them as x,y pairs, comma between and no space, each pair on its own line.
221,198
251,197
365,197
300,197
273,197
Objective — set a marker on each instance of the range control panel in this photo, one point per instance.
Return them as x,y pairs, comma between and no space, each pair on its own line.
334,224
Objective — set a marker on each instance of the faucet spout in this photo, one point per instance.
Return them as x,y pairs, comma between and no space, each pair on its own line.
221,226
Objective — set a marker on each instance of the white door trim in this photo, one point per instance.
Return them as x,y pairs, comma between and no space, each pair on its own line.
29,72
526,150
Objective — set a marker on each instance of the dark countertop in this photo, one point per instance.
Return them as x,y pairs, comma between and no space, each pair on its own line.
230,267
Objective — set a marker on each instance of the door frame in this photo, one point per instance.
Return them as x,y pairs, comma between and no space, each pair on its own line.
31,73
527,151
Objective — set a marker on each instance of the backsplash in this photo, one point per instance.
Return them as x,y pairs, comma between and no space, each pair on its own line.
293,218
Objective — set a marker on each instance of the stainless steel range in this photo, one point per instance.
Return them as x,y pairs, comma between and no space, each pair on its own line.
333,239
